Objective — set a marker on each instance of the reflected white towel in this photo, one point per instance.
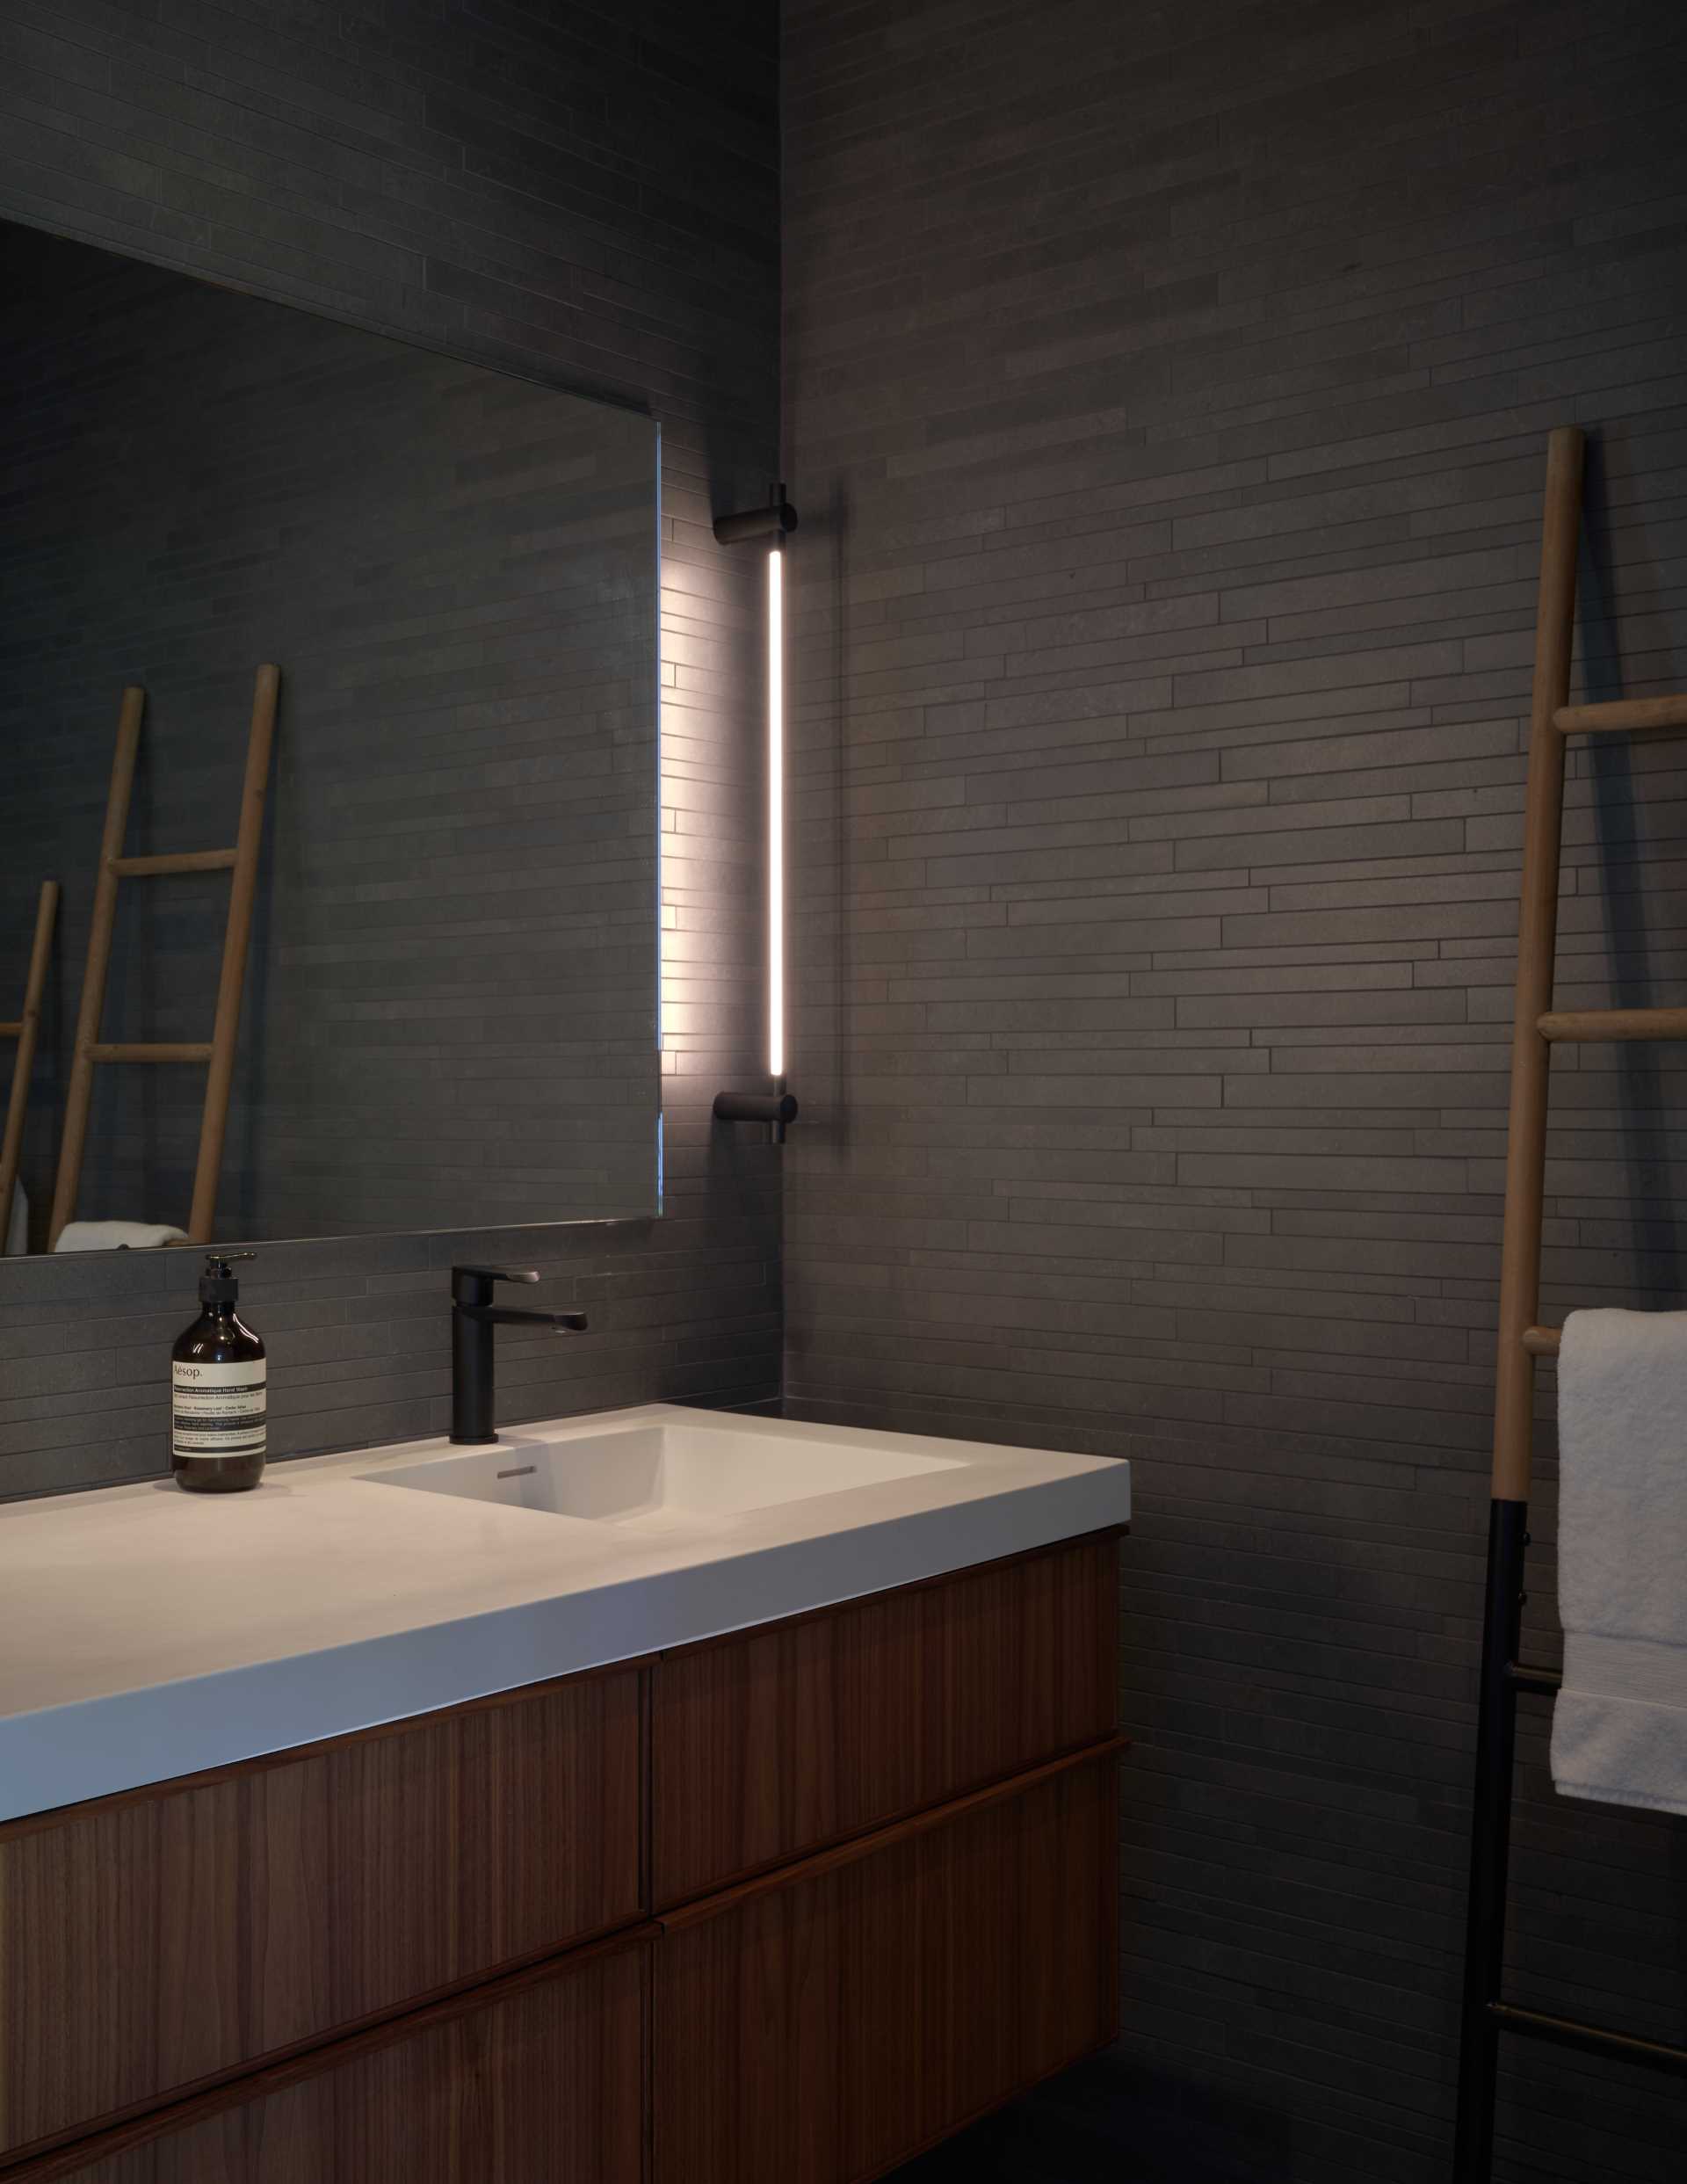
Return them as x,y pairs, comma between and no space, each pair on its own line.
1620,1728
117,1236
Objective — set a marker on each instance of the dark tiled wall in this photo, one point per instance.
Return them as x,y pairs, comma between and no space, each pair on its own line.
588,196
1167,394
450,1014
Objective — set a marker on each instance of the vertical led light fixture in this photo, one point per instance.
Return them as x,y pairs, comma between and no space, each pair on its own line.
768,528
776,815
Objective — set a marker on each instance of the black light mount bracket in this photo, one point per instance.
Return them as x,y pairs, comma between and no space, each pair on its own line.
777,1109
773,522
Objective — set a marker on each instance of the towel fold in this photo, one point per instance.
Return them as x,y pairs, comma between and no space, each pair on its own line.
1619,1728
117,1236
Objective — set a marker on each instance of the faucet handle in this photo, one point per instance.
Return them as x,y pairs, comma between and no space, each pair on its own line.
472,1285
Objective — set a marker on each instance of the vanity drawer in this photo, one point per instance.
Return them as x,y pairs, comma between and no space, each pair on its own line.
823,2023
153,1942
771,1744
541,2079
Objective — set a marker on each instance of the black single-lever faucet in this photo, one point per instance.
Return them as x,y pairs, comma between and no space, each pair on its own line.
472,1317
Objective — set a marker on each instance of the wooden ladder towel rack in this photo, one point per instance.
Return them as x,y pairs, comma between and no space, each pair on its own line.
1537,1027
217,1052
26,1031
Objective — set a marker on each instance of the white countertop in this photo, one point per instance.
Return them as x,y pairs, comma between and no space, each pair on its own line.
146,1633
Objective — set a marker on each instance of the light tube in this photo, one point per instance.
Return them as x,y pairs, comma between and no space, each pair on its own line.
775,814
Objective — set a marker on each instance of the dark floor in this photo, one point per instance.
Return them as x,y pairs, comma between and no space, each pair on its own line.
1067,2132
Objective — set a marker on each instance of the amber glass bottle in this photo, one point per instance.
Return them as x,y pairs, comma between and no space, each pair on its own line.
218,1390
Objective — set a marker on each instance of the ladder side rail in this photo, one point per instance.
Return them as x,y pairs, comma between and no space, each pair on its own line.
1525,1152
23,1060
1519,1303
92,1008
1490,1837
237,940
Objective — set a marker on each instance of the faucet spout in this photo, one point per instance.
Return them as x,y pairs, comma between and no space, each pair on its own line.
513,1316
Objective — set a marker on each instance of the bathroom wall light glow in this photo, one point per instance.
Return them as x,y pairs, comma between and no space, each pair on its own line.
769,527
776,815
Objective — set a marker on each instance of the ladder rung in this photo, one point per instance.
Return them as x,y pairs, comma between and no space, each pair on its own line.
1542,1341
1570,2032
1612,1024
177,860
1620,714
11,1031
178,1050
1542,1683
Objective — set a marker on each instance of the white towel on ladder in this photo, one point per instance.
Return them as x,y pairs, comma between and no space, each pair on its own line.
1619,1728
117,1236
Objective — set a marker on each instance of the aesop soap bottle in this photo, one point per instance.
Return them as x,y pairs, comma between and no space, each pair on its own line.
218,1390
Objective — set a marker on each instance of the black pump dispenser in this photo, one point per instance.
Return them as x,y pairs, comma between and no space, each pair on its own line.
218,1390
218,1284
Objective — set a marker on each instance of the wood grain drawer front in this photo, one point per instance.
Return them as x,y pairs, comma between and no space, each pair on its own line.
152,1941
820,2030
543,2087
767,1746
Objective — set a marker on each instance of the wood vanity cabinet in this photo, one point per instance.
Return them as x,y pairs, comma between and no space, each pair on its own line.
819,2027
540,2082
787,1905
771,1743
171,1936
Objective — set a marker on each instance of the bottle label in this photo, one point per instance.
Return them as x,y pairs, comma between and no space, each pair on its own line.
218,1409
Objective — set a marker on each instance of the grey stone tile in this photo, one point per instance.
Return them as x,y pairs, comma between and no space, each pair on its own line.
1367,340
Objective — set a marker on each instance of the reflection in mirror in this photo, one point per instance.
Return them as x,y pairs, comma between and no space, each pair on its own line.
447,1012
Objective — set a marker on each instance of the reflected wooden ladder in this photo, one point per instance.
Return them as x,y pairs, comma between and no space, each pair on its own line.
217,1052
1536,1028
26,1031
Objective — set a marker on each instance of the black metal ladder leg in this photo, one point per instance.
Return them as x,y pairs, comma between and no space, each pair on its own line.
1490,1842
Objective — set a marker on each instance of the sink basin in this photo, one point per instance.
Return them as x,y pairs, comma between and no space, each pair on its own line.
654,1475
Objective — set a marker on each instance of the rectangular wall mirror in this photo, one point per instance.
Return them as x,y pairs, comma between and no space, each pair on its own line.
447,1015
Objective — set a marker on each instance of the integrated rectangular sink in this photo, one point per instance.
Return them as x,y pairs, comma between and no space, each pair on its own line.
658,1474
